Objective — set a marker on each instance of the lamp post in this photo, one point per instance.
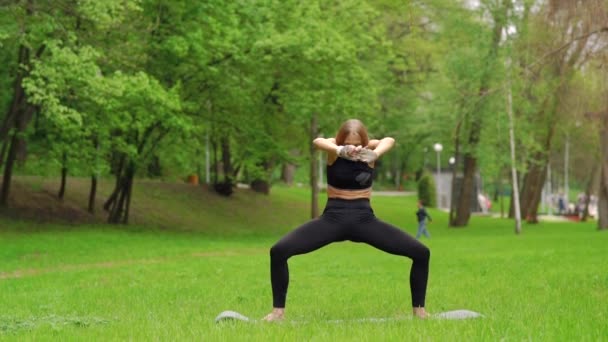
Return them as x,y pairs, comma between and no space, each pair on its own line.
450,196
438,148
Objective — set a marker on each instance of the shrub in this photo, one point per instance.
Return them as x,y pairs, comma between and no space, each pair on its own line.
426,190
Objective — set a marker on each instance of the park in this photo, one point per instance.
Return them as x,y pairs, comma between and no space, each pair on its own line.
163,161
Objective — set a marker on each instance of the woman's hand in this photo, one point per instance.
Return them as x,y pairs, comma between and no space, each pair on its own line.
357,153
367,155
349,152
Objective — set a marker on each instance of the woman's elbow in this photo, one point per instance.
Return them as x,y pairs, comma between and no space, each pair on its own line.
389,140
318,142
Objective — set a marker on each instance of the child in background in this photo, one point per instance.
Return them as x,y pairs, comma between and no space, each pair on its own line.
422,217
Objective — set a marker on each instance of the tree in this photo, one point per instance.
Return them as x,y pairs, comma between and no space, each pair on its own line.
559,37
321,70
474,120
46,34
144,113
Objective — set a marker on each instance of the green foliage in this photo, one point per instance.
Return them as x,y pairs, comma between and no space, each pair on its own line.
426,190
102,73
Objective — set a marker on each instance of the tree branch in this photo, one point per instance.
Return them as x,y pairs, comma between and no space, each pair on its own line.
565,45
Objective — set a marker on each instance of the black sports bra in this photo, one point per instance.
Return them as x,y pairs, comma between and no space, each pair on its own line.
349,175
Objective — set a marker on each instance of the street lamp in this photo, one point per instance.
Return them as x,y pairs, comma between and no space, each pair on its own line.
438,148
452,160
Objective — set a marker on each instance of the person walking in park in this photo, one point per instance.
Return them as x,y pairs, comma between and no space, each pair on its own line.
348,215
422,215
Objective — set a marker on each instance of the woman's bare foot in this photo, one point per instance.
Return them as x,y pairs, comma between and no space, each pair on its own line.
420,312
275,315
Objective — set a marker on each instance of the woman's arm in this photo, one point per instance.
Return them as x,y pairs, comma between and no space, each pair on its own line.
372,144
381,146
328,145
370,155
334,151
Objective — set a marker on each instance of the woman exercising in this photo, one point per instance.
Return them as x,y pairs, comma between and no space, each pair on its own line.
349,216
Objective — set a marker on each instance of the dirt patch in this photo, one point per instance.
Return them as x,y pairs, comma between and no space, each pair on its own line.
30,272
35,199
170,205
80,267
40,205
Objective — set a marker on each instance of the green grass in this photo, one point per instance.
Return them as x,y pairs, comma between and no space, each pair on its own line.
151,281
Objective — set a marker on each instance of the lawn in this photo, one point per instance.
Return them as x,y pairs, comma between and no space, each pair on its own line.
151,281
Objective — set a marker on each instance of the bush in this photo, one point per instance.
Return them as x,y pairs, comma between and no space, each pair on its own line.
426,191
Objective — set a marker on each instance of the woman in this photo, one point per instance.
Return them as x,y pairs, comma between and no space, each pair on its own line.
348,216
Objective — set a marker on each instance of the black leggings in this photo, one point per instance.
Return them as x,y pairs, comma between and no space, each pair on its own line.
351,220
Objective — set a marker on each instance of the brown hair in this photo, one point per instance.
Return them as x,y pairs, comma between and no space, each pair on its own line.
352,126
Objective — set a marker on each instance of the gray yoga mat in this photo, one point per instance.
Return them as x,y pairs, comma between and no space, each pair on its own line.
230,315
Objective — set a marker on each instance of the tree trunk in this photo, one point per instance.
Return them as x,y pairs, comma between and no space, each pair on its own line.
537,166
118,168
117,203
588,190
21,120
603,197
452,217
287,173
288,170
511,213
129,190
225,187
226,160
64,175
501,199
21,154
199,173
5,144
92,194
532,188
18,100
18,115
525,197
121,198
263,185
314,169
13,119
8,171
120,209
463,208
514,182
532,214
216,164
400,173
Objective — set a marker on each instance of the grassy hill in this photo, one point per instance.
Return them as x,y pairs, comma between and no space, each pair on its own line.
173,206
179,206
